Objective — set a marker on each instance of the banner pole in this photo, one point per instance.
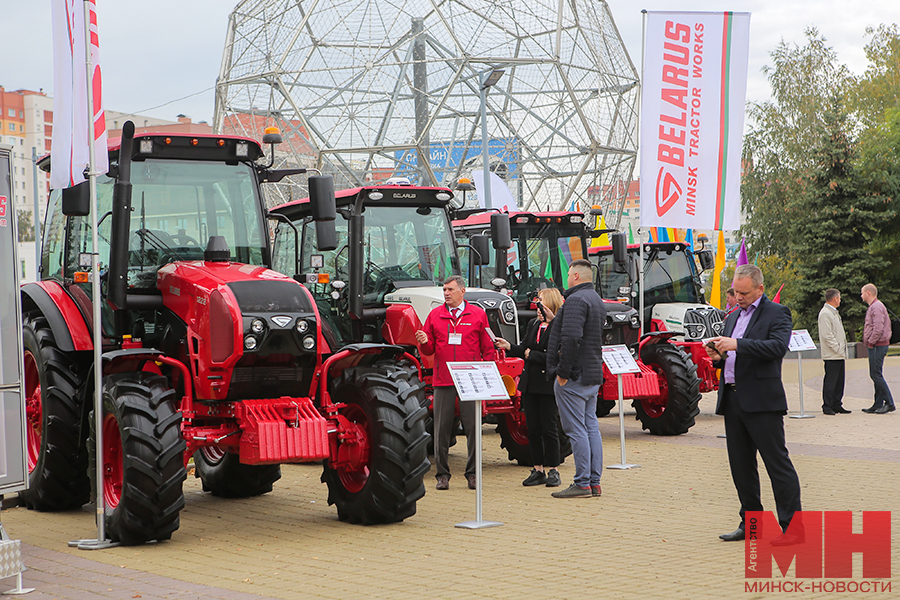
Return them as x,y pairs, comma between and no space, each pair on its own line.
101,541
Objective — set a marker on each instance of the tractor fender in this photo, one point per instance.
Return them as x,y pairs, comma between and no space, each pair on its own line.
656,337
62,314
362,355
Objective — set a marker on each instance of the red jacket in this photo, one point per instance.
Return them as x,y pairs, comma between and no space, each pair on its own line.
476,344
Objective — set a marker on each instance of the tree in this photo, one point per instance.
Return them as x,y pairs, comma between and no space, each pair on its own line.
25,225
878,89
841,217
776,148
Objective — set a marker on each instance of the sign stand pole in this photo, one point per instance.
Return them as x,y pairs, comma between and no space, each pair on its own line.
478,523
802,414
623,465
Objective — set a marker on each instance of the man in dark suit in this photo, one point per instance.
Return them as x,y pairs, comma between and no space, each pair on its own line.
752,399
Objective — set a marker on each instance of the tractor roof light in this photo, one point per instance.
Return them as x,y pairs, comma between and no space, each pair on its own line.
521,220
443,196
271,135
242,149
146,146
375,195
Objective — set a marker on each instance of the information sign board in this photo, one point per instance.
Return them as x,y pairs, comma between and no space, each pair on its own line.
618,360
477,381
801,340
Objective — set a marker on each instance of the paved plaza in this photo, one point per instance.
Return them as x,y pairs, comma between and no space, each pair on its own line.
653,533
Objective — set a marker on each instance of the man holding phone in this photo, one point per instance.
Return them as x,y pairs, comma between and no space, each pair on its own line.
753,401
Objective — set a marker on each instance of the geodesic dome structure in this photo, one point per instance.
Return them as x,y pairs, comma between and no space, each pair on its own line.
367,89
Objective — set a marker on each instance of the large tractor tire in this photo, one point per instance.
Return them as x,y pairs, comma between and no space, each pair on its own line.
379,475
673,411
223,474
604,407
514,438
143,458
55,445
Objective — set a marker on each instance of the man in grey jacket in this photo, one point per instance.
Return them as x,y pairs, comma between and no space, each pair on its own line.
575,356
833,344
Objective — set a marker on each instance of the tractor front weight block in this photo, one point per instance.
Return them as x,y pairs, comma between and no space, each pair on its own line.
281,430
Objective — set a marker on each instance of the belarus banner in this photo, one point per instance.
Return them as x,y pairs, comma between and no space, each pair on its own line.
69,154
692,119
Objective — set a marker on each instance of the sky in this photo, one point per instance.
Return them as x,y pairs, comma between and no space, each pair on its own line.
161,58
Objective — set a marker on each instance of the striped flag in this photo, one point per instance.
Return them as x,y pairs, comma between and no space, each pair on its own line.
715,296
71,122
692,117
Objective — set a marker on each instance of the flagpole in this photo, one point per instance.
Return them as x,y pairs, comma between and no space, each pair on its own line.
640,233
101,541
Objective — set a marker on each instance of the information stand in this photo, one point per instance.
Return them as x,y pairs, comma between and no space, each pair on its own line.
800,341
619,361
477,381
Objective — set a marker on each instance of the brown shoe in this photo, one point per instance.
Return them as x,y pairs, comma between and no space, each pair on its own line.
443,482
472,481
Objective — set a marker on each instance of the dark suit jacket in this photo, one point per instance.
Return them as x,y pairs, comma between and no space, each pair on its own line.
534,377
757,368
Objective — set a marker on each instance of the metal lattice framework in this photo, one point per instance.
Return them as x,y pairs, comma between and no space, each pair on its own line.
363,88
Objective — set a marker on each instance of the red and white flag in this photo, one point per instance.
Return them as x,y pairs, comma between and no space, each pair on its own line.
692,118
69,154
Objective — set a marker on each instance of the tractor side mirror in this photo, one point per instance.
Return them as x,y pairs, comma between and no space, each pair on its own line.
500,233
706,259
324,211
482,246
620,251
76,200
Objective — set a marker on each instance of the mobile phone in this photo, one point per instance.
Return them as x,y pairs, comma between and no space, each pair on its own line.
540,308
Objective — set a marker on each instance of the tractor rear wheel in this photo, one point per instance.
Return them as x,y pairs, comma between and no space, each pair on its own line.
142,458
223,474
377,474
57,456
673,411
514,438
604,407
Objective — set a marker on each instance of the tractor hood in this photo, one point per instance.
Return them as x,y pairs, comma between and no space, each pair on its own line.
236,312
693,321
501,311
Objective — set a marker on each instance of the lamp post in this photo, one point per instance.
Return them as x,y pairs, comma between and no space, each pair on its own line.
488,79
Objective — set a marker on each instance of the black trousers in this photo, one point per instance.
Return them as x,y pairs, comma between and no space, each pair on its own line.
833,384
763,432
541,417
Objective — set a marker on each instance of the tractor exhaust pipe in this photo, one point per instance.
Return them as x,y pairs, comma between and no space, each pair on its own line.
121,222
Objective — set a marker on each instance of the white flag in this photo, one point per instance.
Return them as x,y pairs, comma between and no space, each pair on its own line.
501,195
69,154
692,119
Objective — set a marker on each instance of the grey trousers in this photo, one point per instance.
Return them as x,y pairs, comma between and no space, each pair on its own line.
578,414
444,413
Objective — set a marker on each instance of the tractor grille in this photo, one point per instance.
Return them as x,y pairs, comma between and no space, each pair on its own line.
703,322
257,296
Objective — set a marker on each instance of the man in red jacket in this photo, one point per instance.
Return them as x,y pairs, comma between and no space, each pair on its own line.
455,331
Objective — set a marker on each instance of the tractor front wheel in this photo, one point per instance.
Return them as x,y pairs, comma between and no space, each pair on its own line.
142,458
223,474
57,457
381,459
673,411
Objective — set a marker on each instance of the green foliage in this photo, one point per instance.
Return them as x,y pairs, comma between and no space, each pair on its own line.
823,176
25,225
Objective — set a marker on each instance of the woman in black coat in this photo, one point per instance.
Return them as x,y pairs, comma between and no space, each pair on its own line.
538,400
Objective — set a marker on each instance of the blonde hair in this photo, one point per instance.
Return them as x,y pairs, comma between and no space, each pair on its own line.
551,298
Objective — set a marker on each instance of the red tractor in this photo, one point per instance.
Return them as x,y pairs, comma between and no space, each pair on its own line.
207,352
395,249
666,394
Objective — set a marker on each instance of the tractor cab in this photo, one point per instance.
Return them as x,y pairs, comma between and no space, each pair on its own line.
394,249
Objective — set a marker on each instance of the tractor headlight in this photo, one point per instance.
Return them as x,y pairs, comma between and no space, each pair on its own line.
635,322
302,326
250,342
309,342
510,317
257,326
